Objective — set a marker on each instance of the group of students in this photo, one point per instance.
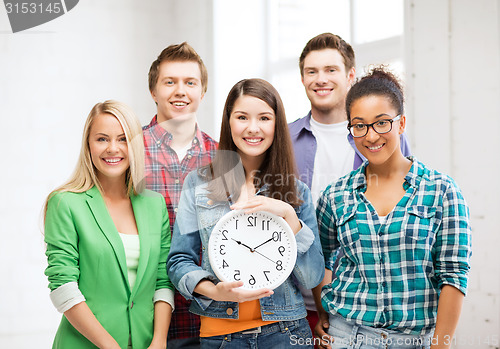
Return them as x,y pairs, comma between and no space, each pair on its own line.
383,242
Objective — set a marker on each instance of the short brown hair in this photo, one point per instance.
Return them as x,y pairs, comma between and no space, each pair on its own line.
177,53
328,40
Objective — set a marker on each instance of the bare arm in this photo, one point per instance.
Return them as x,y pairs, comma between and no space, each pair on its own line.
84,321
449,308
323,323
163,314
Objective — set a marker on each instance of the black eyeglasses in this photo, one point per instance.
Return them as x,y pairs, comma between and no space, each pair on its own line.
379,126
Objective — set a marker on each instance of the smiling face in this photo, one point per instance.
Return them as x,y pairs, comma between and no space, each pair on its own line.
325,80
377,148
178,91
108,148
252,123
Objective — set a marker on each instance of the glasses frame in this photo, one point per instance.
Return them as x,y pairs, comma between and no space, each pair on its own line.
391,120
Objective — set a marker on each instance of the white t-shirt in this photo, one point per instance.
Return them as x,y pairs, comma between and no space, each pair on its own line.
181,153
131,244
334,159
334,155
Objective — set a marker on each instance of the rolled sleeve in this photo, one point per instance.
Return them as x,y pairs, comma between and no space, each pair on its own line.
453,242
66,296
327,228
165,295
61,238
304,238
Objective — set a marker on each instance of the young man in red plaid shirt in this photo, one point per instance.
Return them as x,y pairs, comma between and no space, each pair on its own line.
174,146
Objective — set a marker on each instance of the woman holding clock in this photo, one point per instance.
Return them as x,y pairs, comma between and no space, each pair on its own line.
253,174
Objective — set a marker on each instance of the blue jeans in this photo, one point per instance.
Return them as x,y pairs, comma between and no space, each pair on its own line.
351,336
283,334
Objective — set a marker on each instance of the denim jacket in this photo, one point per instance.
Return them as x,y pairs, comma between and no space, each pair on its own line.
196,218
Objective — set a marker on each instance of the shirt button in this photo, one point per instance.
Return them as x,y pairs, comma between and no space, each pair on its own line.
176,209
158,142
190,156
229,311
195,141
177,181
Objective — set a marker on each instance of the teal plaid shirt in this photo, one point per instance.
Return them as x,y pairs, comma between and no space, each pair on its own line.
391,273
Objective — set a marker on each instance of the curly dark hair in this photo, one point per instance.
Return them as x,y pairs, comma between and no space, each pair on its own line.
381,82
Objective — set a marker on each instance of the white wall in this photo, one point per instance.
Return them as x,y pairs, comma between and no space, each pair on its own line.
50,77
452,50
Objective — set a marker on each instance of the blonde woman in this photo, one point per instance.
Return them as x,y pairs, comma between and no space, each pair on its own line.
107,242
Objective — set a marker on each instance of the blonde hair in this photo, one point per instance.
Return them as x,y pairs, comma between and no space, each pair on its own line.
84,176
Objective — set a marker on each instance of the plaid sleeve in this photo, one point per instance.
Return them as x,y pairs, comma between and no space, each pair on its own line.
327,228
452,249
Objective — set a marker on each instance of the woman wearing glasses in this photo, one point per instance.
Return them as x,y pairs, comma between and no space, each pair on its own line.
404,230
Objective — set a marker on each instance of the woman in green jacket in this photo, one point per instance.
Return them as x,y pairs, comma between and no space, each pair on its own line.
107,242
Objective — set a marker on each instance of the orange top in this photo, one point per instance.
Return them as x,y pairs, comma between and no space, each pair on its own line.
250,317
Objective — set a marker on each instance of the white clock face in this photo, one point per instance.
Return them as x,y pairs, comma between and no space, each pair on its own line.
258,249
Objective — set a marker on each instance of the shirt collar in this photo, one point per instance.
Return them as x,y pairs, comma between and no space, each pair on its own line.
160,135
416,173
413,177
303,124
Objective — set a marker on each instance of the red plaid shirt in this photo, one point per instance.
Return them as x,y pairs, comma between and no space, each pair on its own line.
165,175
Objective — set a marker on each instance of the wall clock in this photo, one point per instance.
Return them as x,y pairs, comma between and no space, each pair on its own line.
258,249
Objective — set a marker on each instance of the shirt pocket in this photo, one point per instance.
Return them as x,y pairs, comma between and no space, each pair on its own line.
422,222
209,211
348,234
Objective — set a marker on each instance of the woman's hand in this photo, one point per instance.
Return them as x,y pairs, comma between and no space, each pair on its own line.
230,291
277,207
157,346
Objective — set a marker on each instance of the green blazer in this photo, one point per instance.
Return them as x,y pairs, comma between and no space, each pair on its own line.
83,245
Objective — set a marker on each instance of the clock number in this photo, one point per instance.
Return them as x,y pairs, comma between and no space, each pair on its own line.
265,225
224,264
252,280
224,232
252,221
221,250
281,250
237,275
266,271
279,265
277,236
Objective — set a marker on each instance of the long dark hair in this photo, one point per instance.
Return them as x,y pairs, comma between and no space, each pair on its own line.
278,169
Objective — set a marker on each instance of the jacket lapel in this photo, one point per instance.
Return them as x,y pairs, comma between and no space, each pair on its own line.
142,218
103,219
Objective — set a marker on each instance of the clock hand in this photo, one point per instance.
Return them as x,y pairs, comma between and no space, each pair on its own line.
265,242
265,256
241,243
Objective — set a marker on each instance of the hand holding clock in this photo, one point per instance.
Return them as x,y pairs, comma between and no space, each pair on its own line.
278,207
230,291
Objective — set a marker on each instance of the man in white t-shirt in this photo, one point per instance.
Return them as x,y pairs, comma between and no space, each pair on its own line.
324,149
